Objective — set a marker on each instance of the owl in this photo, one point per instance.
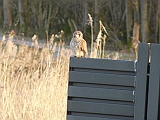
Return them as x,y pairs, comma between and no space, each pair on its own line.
78,45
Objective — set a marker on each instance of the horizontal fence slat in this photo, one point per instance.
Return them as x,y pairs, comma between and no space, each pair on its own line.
100,93
91,63
100,78
73,117
100,108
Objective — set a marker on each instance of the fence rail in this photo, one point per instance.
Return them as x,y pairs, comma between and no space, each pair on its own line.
102,89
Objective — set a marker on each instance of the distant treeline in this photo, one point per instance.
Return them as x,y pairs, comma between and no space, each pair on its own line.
118,16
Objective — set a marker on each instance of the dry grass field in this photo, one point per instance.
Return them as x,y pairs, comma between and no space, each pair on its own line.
33,80
33,85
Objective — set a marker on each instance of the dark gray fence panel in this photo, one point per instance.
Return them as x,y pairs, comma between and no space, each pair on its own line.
101,89
101,78
97,92
141,82
154,84
100,93
101,64
71,117
101,108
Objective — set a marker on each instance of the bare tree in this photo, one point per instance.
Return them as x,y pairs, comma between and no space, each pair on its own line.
85,5
136,11
96,18
144,20
136,28
157,40
21,15
7,14
129,21
53,16
135,38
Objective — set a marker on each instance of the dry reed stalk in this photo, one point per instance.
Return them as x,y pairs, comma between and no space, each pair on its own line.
90,22
100,42
34,85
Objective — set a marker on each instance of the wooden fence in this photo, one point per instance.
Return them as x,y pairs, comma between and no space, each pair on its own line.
102,89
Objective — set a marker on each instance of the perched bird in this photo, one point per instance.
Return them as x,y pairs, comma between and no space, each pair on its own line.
78,45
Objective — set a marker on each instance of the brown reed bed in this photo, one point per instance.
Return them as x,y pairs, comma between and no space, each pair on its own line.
34,79
33,83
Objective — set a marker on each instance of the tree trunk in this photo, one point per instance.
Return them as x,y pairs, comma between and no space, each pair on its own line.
49,16
7,15
136,11
85,5
136,30
159,28
41,17
129,21
144,21
34,15
96,18
157,20
136,27
150,11
135,38
21,16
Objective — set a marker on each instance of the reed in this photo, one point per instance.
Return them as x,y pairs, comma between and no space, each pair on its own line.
33,81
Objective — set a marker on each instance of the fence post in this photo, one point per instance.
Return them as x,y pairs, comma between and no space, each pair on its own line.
154,83
141,82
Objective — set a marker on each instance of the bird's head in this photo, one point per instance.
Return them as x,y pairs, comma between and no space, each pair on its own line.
77,34
35,37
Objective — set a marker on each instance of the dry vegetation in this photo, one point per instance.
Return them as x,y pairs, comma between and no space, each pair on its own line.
33,81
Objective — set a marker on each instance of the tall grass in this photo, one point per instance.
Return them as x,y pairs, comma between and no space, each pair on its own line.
33,82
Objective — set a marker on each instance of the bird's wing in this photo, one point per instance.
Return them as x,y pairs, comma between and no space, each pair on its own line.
84,47
73,46
72,43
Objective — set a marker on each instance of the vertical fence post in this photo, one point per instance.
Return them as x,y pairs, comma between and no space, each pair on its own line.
141,82
154,83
